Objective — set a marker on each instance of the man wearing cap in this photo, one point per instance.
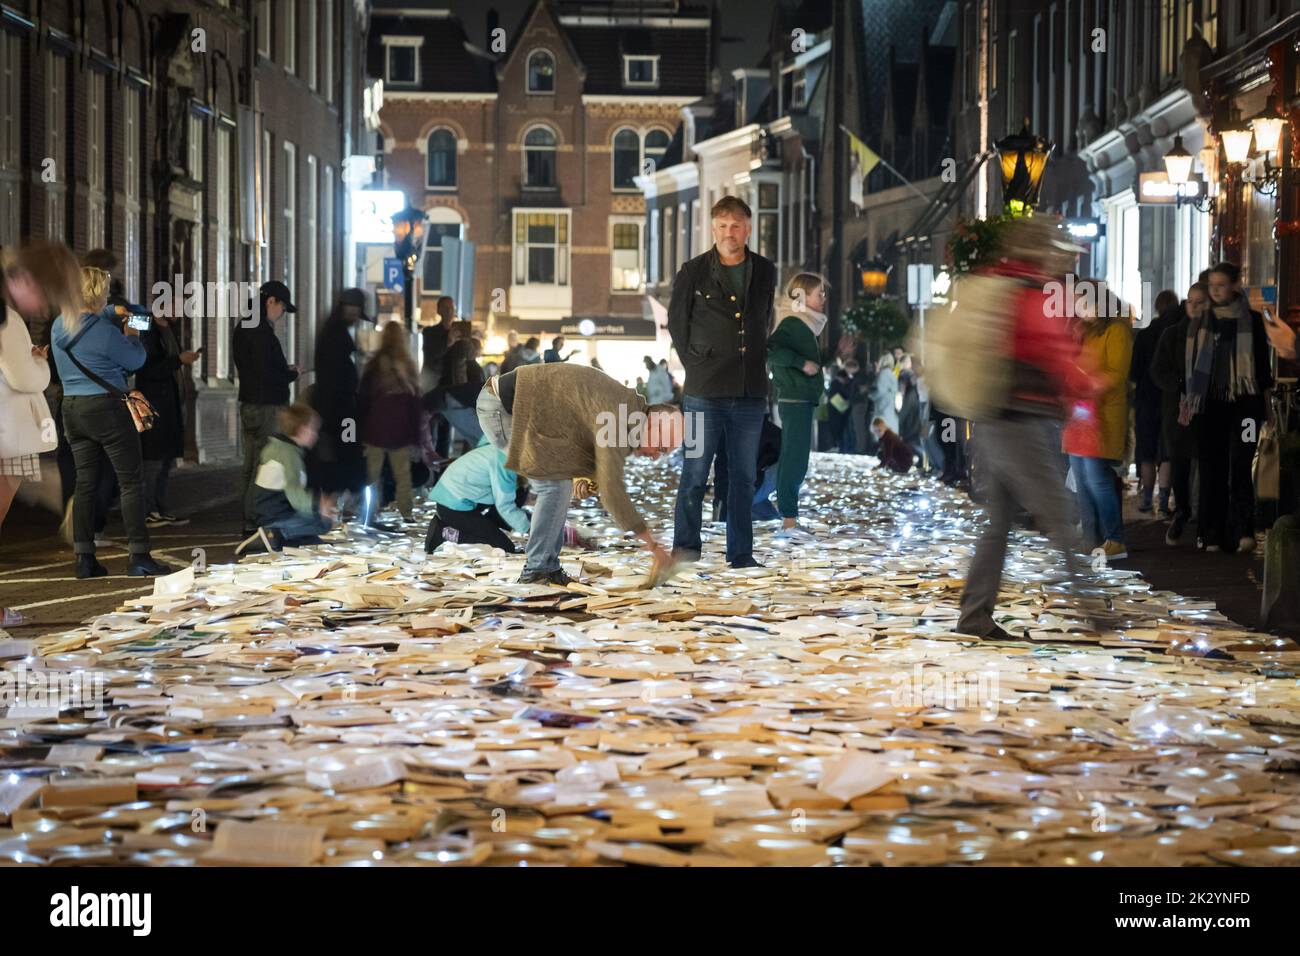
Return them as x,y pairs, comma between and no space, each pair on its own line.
264,378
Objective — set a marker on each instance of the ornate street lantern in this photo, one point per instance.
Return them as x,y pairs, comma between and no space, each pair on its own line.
1236,143
1024,158
874,276
1178,162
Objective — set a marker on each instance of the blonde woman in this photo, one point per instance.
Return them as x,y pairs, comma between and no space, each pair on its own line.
94,356
391,414
795,358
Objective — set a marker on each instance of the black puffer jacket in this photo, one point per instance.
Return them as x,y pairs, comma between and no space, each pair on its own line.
722,346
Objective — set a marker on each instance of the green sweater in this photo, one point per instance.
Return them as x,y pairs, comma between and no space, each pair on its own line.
792,344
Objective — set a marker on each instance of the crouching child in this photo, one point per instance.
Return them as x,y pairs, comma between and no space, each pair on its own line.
288,512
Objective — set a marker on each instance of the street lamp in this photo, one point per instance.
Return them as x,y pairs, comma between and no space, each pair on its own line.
1024,158
1236,143
1178,162
408,243
1178,167
874,276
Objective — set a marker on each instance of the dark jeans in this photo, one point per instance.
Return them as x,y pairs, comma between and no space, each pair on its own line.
796,443
737,425
1100,510
95,424
297,527
1226,511
1181,481
482,525
440,430
156,473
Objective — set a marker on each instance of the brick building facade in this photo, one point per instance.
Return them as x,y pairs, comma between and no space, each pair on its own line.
121,126
530,150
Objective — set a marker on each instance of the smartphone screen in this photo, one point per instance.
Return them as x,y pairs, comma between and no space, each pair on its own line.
140,323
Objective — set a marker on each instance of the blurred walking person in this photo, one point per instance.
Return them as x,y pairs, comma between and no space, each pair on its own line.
435,340
391,416
37,279
1019,444
1150,451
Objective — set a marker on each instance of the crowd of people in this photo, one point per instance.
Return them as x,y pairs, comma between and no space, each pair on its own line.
370,430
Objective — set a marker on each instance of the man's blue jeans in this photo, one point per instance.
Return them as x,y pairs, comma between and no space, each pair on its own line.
463,418
737,425
546,532
1099,505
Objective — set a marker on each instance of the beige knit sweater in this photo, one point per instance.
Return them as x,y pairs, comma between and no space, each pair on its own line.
558,415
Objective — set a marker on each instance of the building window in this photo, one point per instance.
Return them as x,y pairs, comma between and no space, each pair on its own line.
131,190
1037,98
289,272
1051,75
221,198
1168,36
1013,80
640,70
667,243
769,216
402,60
1210,22
541,247
310,25
264,206
541,72
539,158
327,239
10,130
194,163
327,47
683,235
435,232
441,159
627,158
290,35
799,89
95,159
625,256
994,37
969,63
264,28
656,144
56,118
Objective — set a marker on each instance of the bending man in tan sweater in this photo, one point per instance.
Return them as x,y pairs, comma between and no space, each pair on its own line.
558,422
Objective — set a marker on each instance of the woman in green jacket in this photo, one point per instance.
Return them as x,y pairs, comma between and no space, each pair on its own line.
794,356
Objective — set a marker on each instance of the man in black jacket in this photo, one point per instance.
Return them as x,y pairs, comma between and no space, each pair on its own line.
264,379
719,318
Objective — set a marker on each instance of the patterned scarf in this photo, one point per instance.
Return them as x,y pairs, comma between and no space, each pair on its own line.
1199,358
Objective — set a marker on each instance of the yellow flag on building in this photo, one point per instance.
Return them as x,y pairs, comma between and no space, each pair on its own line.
862,160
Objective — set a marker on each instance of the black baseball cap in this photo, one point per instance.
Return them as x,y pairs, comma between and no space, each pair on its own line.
275,289
357,298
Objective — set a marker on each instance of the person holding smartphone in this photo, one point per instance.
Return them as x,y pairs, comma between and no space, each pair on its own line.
94,358
1280,335
159,379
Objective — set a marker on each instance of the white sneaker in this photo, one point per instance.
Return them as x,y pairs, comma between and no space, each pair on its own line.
1246,545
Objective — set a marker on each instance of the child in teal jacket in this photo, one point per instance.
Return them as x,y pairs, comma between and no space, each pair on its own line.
795,358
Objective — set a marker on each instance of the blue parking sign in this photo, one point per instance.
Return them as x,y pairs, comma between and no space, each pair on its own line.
393,276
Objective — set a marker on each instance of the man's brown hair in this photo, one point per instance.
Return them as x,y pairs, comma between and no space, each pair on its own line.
730,206
291,419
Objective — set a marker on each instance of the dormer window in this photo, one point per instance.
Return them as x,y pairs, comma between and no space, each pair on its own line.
640,69
799,90
402,60
541,72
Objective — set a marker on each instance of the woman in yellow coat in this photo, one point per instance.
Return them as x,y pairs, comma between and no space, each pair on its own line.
1097,429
